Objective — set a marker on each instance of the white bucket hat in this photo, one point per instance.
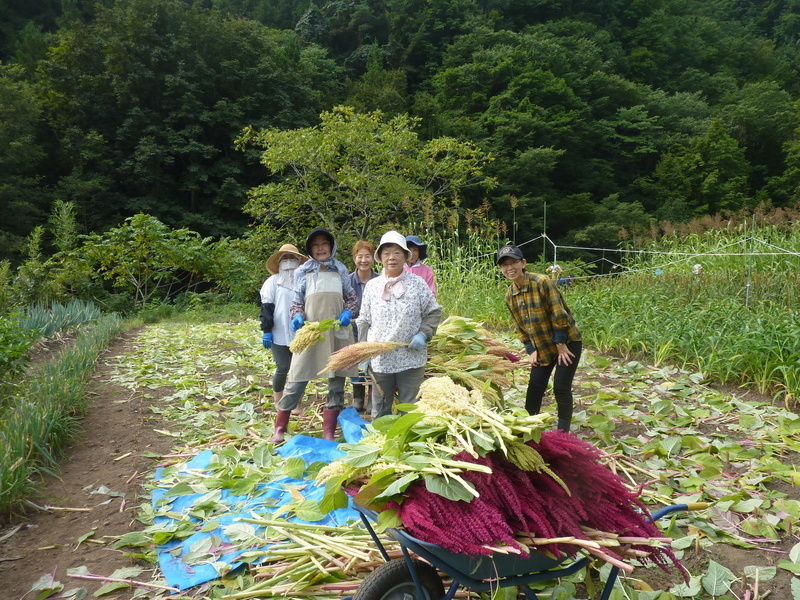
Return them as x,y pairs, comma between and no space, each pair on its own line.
392,237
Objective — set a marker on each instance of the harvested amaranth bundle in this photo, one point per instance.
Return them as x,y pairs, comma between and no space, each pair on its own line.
311,333
517,510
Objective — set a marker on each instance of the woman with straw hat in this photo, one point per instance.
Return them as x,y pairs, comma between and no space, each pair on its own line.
398,306
277,294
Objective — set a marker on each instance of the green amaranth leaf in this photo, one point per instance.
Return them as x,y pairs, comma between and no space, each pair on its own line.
794,554
688,591
111,587
760,573
294,467
363,456
789,566
718,579
309,510
398,486
388,519
46,586
795,588
450,489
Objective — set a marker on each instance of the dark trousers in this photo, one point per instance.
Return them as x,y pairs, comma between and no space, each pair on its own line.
562,384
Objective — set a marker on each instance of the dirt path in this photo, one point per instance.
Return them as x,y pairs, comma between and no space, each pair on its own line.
109,455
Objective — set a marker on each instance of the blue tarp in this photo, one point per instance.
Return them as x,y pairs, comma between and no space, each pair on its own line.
274,494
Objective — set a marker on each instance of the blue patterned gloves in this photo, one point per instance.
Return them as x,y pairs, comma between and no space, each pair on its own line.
297,322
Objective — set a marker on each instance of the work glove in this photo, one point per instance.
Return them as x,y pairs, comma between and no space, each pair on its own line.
418,341
266,340
364,366
344,318
297,322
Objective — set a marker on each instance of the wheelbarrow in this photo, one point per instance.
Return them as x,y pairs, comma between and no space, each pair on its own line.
410,578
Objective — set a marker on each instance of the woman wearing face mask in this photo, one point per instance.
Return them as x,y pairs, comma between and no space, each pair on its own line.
363,259
276,301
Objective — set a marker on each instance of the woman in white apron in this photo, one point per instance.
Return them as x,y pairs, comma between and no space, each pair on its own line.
322,291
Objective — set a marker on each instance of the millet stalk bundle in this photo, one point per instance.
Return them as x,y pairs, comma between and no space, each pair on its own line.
355,354
311,333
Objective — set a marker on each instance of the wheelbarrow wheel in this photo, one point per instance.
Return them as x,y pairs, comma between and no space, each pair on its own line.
393,581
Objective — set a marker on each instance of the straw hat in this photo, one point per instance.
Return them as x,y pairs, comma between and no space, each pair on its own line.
274,260
392,237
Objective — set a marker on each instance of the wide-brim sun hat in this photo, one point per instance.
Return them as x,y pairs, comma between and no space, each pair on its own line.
391,237
423,248
273,262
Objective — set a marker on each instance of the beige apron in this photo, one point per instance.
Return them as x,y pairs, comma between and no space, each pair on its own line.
324,300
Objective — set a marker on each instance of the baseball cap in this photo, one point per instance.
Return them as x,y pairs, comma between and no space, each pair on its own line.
510,251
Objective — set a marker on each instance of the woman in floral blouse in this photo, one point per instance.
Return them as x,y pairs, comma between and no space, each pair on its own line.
397,306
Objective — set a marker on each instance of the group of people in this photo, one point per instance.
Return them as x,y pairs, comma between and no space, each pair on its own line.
396,305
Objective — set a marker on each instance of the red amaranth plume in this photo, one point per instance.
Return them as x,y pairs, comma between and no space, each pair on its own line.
512,500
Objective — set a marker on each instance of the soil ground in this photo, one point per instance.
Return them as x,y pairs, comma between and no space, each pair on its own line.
75,524
116,435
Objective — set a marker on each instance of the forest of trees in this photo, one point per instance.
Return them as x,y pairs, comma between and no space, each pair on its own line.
598,116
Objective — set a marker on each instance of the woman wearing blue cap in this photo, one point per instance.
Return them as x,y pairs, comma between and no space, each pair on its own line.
414,264
547,330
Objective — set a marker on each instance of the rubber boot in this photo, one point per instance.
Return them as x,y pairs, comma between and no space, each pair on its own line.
563,424
329,418
281,422
359,391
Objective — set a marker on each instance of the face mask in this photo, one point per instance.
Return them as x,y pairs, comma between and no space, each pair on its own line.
289,264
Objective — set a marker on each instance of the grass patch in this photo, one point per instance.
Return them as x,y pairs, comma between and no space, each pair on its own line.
735,321
41,416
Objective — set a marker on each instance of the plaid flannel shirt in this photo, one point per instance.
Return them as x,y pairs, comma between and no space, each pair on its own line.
541,316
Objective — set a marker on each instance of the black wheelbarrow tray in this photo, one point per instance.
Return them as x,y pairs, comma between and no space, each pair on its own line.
413,579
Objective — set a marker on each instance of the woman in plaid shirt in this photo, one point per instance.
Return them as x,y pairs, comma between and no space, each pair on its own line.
547,329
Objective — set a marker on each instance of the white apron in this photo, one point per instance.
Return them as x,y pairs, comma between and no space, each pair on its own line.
324,300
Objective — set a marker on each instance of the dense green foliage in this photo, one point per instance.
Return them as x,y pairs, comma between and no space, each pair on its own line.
598,116
15,341
356,172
